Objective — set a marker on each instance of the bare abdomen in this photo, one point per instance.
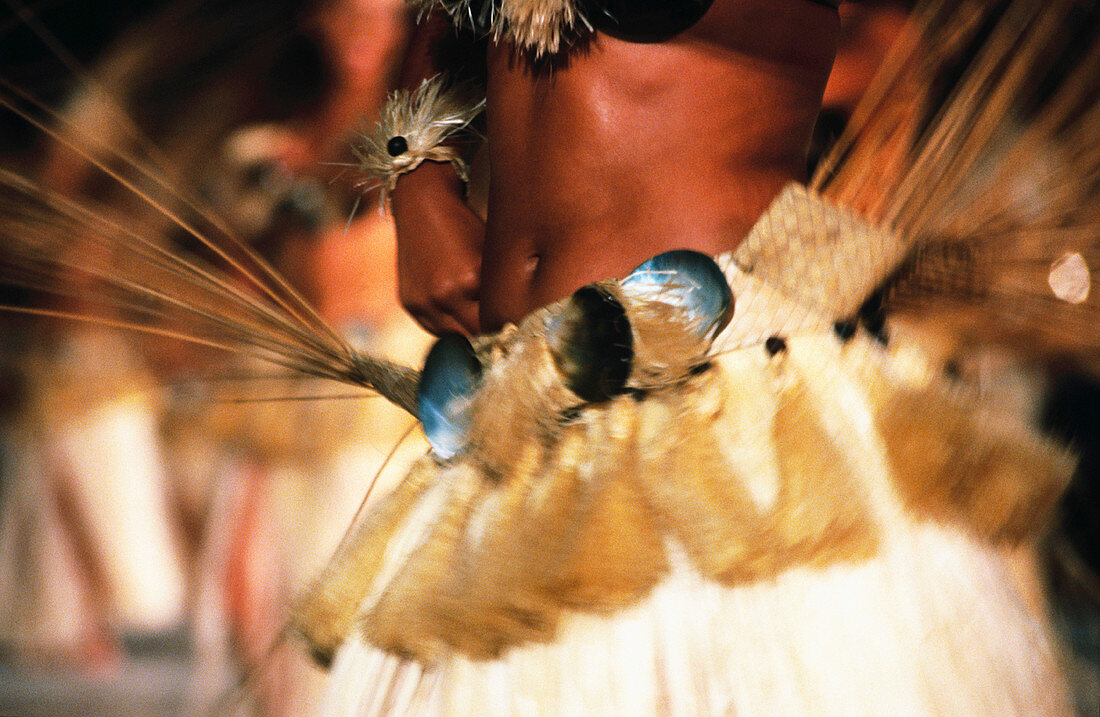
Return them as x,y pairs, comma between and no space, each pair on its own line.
630,150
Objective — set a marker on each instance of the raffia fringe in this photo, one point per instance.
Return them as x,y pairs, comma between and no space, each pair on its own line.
756,464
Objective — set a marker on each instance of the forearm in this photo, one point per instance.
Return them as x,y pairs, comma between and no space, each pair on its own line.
433,187
439,237
433,197
439,242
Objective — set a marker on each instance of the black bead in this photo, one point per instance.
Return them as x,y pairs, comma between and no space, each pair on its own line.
845,329
774,345
570,414
700,369
397,146
873,316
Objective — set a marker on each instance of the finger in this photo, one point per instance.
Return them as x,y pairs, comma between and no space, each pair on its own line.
456,300
438,323
456,317
468,316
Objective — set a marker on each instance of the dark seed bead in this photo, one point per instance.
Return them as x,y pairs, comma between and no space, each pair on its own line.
700,369
397,146
321,656
873,316
570,414
774,345
875,324
845,329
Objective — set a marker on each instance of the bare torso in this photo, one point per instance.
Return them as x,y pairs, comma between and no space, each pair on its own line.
626,150
611,154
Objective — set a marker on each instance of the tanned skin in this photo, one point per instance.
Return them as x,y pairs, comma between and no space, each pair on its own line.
611,154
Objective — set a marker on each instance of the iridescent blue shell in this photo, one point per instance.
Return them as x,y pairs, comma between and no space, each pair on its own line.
687,279
447,385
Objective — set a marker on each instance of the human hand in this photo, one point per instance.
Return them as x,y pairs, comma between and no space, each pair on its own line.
439,242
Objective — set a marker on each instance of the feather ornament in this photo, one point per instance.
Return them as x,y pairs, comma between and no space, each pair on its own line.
541,27
414,127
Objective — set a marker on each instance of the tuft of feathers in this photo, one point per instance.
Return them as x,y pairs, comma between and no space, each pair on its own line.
415,126
539,27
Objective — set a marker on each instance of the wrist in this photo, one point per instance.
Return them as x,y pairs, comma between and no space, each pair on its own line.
434,189
431,178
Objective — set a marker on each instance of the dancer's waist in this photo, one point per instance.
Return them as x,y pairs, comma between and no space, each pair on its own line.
527,266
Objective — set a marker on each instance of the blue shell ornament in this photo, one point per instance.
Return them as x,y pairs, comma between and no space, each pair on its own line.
687,279
447,385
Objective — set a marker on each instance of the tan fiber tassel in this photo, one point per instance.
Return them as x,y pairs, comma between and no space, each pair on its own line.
328,612
410,616
619,553
958,460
